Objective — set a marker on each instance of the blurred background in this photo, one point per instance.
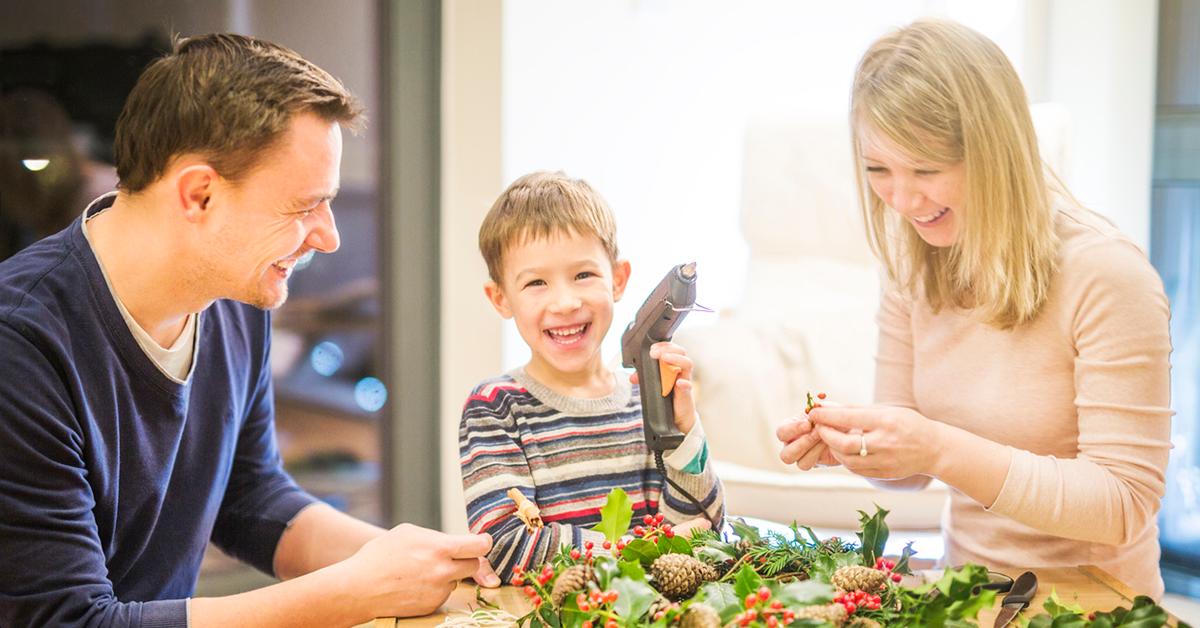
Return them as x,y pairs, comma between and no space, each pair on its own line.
717,133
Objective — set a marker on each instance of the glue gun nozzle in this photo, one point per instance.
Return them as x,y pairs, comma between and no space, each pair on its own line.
688,270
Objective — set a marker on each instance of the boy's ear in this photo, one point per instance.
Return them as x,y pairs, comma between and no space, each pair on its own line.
621,271
495,296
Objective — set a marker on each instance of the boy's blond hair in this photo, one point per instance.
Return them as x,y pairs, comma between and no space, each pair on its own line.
945,94
541,204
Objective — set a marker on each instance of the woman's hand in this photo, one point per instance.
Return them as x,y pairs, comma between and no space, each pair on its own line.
802,445
672,354
898,442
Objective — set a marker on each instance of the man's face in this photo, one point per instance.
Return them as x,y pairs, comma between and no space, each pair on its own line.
279,213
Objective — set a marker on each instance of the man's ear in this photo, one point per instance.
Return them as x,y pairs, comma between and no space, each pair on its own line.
194,188
495,296
620,276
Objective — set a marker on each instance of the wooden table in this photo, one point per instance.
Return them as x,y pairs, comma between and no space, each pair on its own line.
1091,587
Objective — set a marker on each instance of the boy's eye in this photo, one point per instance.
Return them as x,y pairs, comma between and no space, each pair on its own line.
585,274
534,283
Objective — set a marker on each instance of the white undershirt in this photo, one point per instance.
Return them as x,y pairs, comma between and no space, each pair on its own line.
175,361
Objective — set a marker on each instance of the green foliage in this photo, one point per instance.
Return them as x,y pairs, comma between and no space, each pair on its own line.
722,598
873,536
615,516
640,550
635,597
1143,614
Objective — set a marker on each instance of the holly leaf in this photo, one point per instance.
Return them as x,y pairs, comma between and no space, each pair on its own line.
715,552
606,569
633,570
633,598
747,581
641,550
722,598
902,564
675,545
805,593
873,536
615,516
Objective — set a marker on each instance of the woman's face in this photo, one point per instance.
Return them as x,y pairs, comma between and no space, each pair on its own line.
928,195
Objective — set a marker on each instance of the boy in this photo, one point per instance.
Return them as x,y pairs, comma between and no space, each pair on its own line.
564,429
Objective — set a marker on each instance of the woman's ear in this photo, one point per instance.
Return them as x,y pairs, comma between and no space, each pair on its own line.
620,276
495,296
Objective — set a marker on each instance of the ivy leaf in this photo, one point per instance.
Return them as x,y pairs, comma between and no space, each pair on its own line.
873,536
805,593
745,531
1055,606
722,598
824,565
615,516
633,598
748,581
640,550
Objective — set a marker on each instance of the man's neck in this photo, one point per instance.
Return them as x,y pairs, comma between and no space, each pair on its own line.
136,252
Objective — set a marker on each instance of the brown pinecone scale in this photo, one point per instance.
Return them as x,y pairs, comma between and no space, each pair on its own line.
679,576
832,613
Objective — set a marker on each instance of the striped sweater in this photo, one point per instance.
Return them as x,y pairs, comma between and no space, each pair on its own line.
566,454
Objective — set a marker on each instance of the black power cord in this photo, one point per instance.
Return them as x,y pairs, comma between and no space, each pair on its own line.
662,468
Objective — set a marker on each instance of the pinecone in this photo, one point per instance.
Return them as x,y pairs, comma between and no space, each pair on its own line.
659,604
832,613
572,579
863,622
858,578
700,616
678,576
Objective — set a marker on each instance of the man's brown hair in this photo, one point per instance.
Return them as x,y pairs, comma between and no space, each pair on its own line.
541,204
226,97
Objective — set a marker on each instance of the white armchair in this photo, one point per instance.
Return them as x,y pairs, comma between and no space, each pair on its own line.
805,323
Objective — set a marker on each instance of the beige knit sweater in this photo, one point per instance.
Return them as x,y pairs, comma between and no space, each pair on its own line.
1081,394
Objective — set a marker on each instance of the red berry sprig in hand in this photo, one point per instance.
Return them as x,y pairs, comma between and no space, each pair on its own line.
653,530
810,403
886,566
760,608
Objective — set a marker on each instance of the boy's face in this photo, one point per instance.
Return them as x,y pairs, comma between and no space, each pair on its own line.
560,292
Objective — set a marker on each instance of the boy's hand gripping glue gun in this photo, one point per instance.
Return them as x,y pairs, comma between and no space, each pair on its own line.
656,321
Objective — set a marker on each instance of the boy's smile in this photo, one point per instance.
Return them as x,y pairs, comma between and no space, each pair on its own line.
560,290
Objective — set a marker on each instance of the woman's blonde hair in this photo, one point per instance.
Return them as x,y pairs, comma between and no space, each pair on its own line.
945,94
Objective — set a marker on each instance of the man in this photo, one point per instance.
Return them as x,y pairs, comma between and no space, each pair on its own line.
136,412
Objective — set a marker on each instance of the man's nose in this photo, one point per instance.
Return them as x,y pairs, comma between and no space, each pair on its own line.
324,236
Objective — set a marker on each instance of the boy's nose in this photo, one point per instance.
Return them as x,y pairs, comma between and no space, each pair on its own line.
565,301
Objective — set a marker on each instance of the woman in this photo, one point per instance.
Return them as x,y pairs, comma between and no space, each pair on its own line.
1023,347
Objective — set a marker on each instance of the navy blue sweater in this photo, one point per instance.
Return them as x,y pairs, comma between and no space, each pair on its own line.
113,477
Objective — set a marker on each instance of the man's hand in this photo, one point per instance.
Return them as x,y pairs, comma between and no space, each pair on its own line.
412,570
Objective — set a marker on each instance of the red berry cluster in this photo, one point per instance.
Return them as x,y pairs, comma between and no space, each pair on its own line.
854,600
886,566
533,593
587,553
654,528
758,608
596,600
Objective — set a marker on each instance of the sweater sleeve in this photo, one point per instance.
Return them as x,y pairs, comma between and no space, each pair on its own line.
261,499
1122,396
894,366
52,565
493,461
688,467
